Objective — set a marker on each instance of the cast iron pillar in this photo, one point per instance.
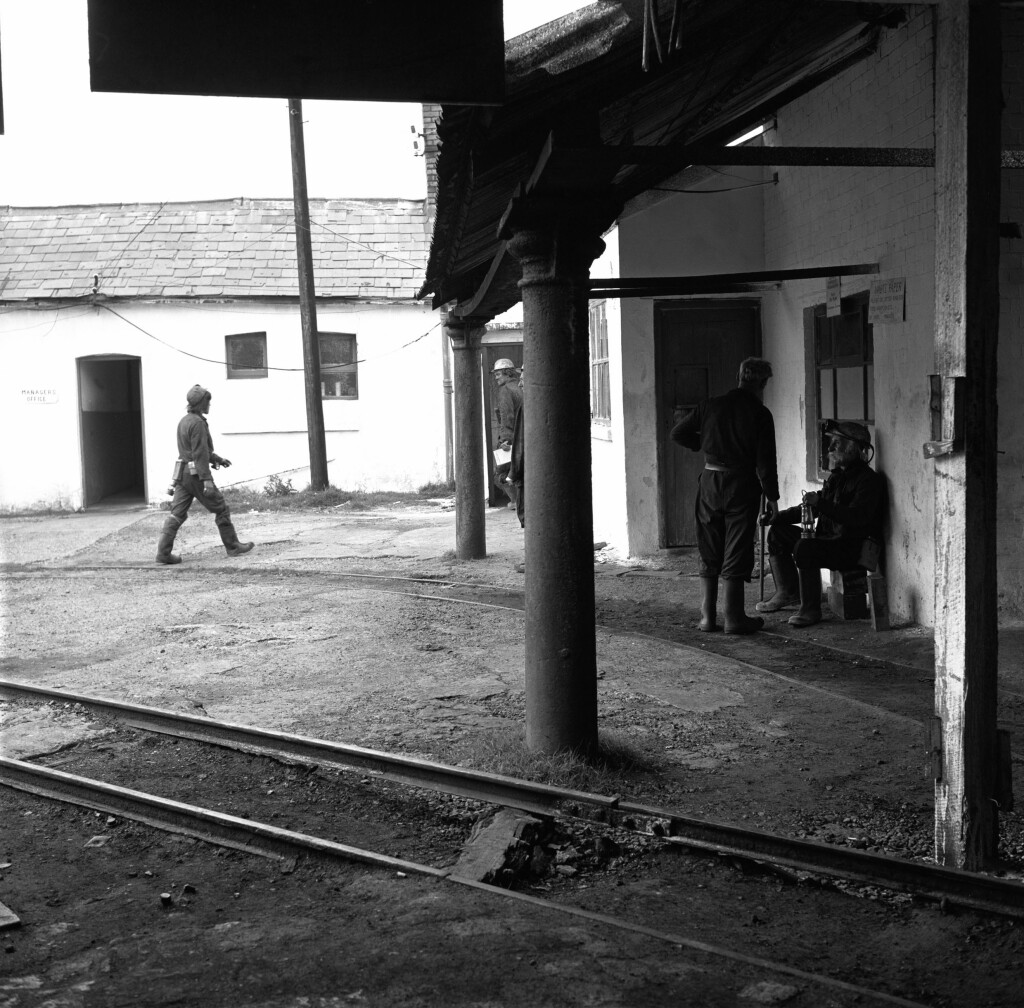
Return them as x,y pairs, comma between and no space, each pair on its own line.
470,535
556,248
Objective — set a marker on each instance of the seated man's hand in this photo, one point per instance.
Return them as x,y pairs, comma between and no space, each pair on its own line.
812,498
771,510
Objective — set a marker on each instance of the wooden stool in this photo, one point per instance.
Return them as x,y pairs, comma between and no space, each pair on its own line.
848,594
852,593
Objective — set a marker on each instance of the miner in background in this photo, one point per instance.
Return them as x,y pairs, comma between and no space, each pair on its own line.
507,401
736,433
193,480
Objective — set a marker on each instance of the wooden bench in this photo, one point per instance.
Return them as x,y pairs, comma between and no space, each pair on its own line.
857,594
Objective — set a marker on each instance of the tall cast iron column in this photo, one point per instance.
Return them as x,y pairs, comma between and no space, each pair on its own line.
556,248
470,534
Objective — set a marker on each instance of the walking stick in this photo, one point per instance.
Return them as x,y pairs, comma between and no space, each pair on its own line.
764,504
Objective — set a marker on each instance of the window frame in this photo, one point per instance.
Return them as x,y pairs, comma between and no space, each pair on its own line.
837,359
232,369
349,368
600,378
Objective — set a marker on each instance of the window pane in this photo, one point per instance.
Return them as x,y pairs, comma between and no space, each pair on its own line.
848,333
339,377
826,396
246,355
849,393
822,339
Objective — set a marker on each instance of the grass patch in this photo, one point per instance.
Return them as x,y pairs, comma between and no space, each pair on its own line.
614,768
279,495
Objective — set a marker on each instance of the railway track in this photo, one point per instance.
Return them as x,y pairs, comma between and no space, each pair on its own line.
285,845
976,891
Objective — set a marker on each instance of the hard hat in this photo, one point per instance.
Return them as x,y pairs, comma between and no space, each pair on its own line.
503,365
851,430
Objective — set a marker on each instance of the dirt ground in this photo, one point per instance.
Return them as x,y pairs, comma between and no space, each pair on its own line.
816,734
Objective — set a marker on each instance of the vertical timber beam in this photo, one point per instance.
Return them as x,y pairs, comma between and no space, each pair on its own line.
470,533
968,107
556,247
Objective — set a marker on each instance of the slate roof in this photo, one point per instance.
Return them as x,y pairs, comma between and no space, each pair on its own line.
243,248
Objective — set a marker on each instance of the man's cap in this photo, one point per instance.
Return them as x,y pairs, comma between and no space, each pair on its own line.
503,365
849,429
195,395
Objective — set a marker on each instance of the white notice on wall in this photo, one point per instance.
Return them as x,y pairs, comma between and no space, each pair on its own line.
888,298
833,294
39,395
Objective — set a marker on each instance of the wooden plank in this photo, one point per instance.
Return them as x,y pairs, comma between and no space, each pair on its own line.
967,131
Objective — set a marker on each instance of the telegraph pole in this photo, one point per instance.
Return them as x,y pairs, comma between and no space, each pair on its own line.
307,304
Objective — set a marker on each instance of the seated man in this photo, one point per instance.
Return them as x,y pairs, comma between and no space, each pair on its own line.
849,511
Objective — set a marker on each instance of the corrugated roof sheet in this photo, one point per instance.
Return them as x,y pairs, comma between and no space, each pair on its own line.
374,249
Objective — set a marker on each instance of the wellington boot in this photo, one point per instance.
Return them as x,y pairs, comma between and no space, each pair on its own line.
787,587
708,605
163,550
736,620
810,600
239,548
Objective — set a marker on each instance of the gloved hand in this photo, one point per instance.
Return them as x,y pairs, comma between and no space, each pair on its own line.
226,463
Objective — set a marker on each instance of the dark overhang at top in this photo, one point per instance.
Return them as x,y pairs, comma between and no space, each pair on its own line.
357,50
583,117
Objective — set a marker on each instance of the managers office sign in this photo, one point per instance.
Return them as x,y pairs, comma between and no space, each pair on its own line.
39,395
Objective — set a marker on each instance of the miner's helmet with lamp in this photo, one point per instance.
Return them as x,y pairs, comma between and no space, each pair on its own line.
849,430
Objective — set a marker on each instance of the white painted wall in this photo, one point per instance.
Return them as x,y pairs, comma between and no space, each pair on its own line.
392,437
819,216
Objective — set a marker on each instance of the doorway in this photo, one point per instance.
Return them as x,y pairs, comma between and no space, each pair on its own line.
698,350
110,411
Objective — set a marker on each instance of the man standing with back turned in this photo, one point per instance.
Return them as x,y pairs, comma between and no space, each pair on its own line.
193,480
736,433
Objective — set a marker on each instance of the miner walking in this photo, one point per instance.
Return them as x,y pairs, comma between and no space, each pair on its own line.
193,480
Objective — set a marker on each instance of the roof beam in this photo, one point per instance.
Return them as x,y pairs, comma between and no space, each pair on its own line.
712,154
718,283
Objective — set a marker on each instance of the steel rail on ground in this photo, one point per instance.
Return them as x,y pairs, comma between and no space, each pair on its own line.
266,840
977,891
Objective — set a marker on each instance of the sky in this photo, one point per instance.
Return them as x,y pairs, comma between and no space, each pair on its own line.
64,144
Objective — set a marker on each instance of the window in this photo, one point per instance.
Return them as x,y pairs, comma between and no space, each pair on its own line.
844,368
246,355
338,376
600,387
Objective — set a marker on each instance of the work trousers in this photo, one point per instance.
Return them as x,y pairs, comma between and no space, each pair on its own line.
191,489
726,513
813,554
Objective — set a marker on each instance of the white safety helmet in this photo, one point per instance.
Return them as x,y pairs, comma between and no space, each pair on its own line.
503,365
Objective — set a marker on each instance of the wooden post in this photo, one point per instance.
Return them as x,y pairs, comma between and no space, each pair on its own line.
556,250
470,531
307,304
967,161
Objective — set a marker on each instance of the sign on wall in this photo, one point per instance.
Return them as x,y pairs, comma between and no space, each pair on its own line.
888,300
833,296
39,395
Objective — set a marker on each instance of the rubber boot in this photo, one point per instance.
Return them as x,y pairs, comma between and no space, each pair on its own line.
787,586
736,620
810,599
229,537
708,605
163,550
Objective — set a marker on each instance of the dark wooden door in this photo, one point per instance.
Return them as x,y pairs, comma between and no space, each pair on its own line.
698,352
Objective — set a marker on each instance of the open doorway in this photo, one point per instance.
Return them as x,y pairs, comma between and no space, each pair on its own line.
110,407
